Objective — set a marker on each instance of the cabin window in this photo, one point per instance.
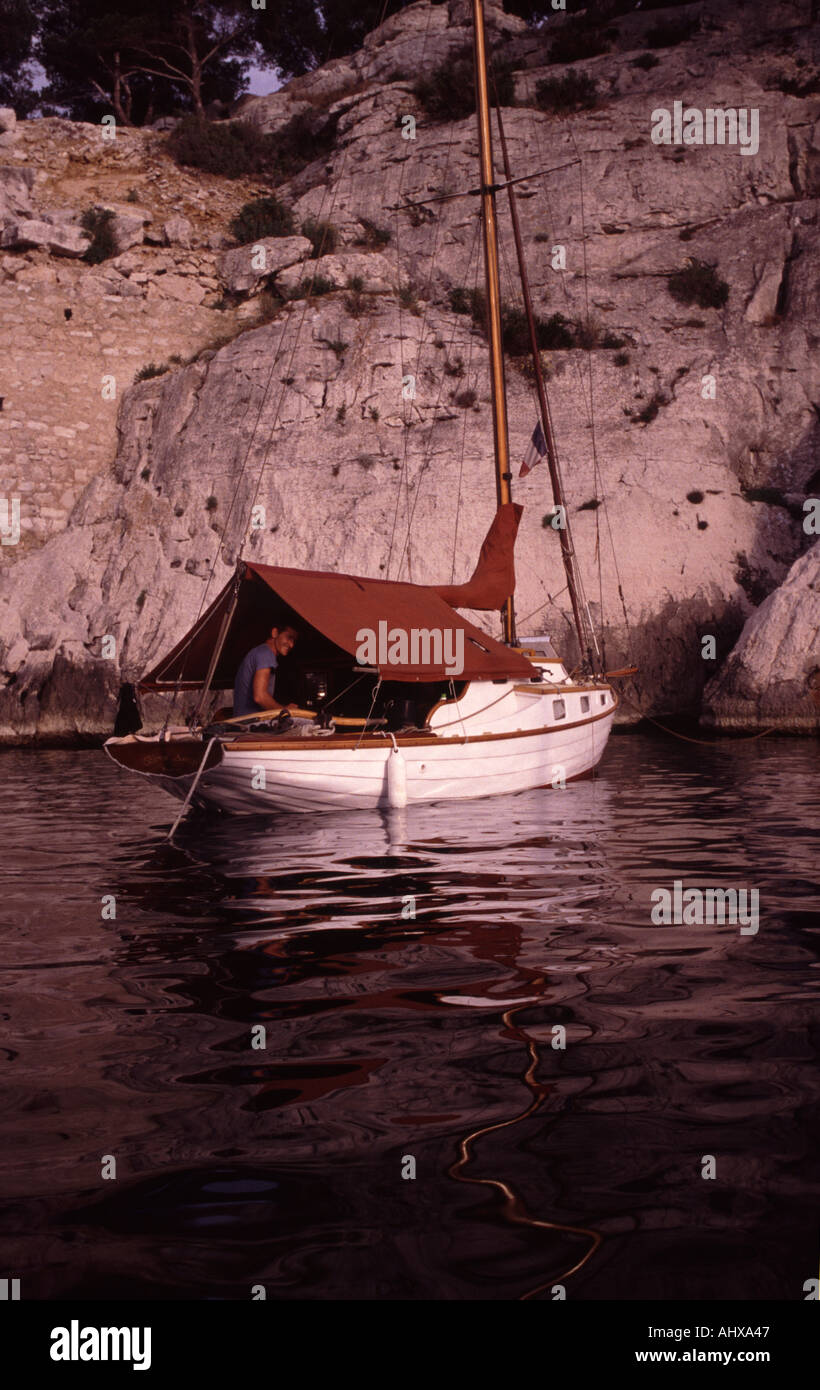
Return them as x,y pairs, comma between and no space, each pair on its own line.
584,704
603,699
559,709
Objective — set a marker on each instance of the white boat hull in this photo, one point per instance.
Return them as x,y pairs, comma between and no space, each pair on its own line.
349,779
493,742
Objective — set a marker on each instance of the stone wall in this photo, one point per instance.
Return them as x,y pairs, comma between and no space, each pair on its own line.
69,327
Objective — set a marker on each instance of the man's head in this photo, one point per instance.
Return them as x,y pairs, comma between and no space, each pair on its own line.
281,639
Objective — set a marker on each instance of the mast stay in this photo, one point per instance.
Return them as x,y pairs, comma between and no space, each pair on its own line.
583,626
501,442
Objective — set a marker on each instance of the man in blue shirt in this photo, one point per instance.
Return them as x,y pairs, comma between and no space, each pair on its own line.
253,687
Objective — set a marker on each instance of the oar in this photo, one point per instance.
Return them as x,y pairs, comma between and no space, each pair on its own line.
260,714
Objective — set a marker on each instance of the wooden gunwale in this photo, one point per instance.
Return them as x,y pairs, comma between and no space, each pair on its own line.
560,689
246,745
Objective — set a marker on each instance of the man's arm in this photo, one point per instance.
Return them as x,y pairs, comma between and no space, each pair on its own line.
261,695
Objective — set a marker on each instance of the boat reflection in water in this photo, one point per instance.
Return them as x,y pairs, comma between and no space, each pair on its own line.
529,1030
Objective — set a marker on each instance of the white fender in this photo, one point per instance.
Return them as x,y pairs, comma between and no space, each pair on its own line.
396,778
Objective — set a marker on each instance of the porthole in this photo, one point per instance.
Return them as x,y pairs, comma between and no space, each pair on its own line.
559,709
603,699
584,704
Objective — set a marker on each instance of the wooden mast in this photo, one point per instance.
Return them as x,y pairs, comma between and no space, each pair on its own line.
493,290
567,547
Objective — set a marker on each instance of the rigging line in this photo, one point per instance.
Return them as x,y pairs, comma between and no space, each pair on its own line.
285,326
585,629
377,687
549,599
455,702
425,464
262,403
295,343
588,400
476,192
596,469
701,742
404,482
475,713
263,400
329,703
222,534
464,427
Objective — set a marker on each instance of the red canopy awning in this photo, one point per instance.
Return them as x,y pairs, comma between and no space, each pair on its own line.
333,610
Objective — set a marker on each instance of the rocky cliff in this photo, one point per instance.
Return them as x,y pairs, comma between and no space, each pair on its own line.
688,432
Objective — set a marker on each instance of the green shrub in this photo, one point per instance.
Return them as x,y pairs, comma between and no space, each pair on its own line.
229,148
97,222
151,369
575,91
260,218
581,39
270,301
669,32
808,85
312,288
621,359
554,332
356,303
309,136
465,399
515,334
373,238
408,299
698,283
464,301
650,410
448,94
323,236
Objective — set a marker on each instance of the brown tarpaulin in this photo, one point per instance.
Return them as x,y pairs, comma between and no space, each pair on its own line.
337,607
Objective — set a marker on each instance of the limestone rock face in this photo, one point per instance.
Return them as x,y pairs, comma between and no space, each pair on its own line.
177,231
238,271
128,224
772,676
59,240
15,192
9,135
374,271
687,450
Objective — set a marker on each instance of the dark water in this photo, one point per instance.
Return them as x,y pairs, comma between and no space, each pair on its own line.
391,1038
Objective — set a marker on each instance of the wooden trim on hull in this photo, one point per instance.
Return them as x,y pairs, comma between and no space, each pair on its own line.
241,745
166,759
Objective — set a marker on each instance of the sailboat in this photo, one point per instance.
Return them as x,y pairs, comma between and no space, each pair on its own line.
397,720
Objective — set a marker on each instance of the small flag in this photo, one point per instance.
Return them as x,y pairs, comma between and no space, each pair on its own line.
536,451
